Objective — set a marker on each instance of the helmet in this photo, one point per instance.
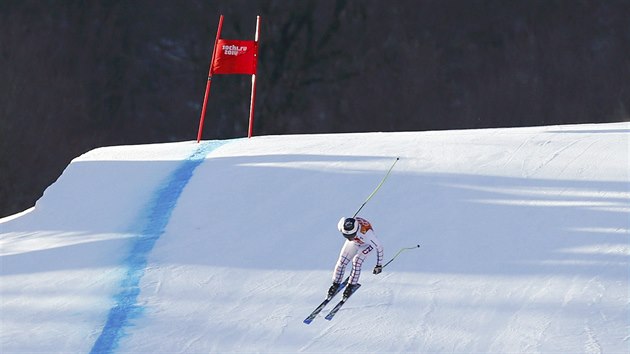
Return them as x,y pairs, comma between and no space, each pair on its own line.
348,227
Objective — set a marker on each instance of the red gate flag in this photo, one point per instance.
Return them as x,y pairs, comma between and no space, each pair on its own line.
235,57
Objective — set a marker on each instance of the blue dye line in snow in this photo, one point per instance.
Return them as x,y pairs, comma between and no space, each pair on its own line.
159,213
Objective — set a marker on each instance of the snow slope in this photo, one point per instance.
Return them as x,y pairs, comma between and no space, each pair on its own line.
226,246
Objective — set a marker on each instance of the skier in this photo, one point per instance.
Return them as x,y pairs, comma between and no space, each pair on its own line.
360,242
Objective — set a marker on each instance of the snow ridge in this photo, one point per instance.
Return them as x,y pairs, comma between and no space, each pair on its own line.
189,248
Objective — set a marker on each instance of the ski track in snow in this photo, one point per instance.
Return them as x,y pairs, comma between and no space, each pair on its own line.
595,290
423,329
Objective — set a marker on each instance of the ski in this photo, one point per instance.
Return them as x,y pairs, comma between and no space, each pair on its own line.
333,312
321,306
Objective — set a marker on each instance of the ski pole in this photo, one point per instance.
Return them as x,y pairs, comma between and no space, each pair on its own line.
399,252
377,188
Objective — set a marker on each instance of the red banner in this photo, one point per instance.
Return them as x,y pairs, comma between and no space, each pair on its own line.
232,57
235,57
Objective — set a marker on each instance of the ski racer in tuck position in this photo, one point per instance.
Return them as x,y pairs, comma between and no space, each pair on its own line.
360,242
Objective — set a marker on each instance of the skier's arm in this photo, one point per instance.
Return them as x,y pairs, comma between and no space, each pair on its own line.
379,254
379,259
379,251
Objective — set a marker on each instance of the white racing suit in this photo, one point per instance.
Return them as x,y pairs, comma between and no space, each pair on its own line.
364,243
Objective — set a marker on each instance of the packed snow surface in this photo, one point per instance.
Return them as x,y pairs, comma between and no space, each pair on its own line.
226,246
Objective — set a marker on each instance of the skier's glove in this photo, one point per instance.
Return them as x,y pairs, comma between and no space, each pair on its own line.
378,269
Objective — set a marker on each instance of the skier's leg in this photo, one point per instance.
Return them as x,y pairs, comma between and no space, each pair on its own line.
348,250
357,262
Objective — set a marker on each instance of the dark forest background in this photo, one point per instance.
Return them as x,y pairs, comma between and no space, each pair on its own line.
75,74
